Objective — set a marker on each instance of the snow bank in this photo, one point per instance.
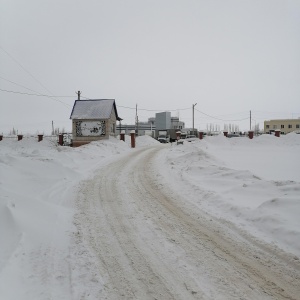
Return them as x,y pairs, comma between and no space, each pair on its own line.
253,183
37,182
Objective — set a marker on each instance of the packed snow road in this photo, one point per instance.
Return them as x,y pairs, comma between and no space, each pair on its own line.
144,241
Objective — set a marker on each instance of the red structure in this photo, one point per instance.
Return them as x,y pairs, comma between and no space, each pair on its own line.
122,136
61,139
40,137
20,137
200,135
277,132
225,133
132,135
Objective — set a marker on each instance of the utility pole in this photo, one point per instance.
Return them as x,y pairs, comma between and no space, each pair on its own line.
136,120
78,93
193,117
52,128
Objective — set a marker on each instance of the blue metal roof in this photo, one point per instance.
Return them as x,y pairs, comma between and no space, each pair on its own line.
94,109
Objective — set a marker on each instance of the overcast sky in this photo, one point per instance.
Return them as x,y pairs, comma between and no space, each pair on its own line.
228,56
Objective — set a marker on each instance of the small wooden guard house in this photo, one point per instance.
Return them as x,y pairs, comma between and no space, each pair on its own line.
93,120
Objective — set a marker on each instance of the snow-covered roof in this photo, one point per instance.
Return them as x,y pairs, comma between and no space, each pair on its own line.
94,109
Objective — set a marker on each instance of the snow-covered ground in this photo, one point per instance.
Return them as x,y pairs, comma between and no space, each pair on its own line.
254,184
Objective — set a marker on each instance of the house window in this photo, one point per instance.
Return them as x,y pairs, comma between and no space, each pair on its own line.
282,126
267,126
290,126
297,125
274,126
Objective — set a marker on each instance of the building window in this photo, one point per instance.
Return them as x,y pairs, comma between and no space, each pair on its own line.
274,126
267,126
297,125
282,126
290,126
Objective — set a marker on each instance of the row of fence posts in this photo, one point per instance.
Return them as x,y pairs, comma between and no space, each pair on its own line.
132,136
178,134
251,133
40,138
20,137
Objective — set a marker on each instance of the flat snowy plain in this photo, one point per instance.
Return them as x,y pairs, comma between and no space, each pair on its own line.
210,219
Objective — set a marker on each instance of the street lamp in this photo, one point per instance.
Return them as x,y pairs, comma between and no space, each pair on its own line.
193,117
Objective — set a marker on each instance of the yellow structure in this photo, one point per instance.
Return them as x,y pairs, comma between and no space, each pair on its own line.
285,125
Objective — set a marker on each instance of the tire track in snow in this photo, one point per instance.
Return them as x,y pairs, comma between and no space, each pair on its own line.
150,244
112,236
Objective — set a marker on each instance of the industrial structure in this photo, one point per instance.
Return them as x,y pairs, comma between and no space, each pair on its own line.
161,121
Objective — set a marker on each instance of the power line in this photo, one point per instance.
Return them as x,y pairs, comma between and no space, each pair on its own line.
24,87
30,94
144,109
233,114
38,95
219,118
273,112
21,66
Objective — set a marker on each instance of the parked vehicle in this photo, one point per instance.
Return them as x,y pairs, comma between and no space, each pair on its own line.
187,138
163,136
191,138
233,134
167,135
170,135
183,135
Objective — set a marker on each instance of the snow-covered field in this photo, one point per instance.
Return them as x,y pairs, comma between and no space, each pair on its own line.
254,184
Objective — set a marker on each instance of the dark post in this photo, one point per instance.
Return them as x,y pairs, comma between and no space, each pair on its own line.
61,139
132,134
250,134
122,136
1,137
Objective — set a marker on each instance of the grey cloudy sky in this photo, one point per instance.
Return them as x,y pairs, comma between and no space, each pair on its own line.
228,56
